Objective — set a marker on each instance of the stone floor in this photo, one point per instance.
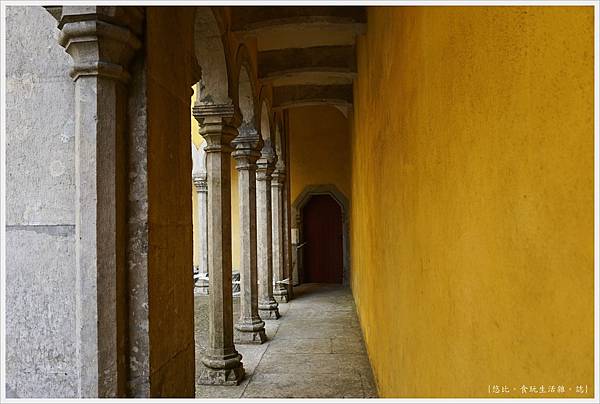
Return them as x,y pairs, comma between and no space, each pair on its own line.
315,350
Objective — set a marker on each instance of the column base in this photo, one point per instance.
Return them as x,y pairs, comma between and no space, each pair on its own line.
251,332
281,296
253,337
221,377
269,309
270,313
217,370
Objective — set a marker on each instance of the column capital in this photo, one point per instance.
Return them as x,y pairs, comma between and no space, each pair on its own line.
278,176
247,147
200,182
212,113
100,40
216,126
266,163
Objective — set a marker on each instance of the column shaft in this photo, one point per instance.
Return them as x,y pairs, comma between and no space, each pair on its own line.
101,48
287,242
250,328
267,305
279,289
222,363
201,185
96,234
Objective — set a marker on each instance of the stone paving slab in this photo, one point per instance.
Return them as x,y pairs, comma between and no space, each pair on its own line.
312,363
321,332
315,350
300,345
348,345
291,385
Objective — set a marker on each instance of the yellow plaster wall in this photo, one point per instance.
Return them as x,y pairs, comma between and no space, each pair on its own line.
472,199
319,148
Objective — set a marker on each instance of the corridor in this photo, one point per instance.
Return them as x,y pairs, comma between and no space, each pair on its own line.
314,350
439,159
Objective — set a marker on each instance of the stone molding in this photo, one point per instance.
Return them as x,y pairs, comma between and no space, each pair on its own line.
278,177
226,113
100,44
265,165
247,150
201,183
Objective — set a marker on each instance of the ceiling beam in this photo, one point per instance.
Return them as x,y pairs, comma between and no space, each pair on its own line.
329,59
290,96
252,18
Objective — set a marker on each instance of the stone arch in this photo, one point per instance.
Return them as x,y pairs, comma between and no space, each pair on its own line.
342,200
210,49
266,114
246,97
199,160
266,122
278,140
266,125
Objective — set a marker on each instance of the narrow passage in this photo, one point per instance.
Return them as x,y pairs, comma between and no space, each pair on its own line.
314,350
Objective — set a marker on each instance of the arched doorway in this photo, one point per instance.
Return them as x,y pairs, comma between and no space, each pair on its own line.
299,238
323,240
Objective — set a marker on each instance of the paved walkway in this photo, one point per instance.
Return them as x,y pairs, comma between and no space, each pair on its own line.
314,350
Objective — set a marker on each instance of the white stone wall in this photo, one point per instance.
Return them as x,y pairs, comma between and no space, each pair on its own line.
41,317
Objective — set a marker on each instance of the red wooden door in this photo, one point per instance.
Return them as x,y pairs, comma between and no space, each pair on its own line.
322,232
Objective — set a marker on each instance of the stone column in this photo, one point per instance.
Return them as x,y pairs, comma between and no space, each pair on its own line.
250,327
267,305
101,42
279,289
222,363
287,242
201,185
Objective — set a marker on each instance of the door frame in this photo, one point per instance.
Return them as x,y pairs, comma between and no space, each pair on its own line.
297,228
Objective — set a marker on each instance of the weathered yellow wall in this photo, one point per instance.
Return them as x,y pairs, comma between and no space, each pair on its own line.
472,198
319,148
